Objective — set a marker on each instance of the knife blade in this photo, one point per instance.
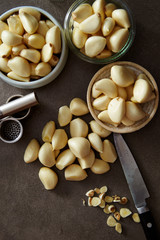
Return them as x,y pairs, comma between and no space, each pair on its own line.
137,186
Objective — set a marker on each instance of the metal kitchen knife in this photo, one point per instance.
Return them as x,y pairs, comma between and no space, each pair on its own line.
137,186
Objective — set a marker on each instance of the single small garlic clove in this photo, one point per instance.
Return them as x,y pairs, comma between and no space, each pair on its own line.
100,167
108,26
29,22
15,25
122,76
109,8
48,131
87,162
31,152
96,142
101,103
59,139
5,50
49,23
96,128
125,212
79,38
107,86
109,153
46,155
78,107
74,172
32,55
142,91
3,26
94,45
17,49
42,69
82,12
31,11
95,92
20,66
92,24
79,146
11,38
48,178
104,117
111,222
36,41
42,28
47,52
4,65
78,128
53,36
116,109
64,116
65,159
14,76
121,17
134,112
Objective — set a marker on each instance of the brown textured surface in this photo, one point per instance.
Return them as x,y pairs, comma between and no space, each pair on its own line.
27,210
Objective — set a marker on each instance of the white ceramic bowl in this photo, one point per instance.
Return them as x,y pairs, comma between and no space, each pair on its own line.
56,70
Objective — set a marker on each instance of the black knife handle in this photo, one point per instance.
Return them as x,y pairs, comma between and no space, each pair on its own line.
149,226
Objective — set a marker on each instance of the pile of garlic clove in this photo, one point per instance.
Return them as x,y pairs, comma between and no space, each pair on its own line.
119,99
30,46
100,29
74,154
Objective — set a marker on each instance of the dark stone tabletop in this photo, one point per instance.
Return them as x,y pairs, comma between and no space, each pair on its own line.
27,210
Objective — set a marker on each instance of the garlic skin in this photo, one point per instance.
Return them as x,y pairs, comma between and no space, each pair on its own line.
74,172
48,178
79,146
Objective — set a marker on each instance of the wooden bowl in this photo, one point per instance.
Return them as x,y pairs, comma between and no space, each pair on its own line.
149,108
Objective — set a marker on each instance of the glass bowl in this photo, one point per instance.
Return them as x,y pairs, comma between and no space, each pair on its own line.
149,107
68,26
56,70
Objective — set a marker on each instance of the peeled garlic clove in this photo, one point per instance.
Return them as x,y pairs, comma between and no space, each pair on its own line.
91,24
53,36
82,12
3,26
108,26
142,90
107,86
49,23
56,152
125,212
59,139
29,22
36,41
79,38
53,61
31,11
64,116
65,159
14,76
109,153
78,107
98,7
136,217
101,103
4,65
96,142
122,93
104,54
134,111
17,49
96,128
33,67
121,17
42,28
48,178
42,69
10,38
111,222
129,91
109,8
100,167
117,40
127,122
118,228
47,52
143,76
116,109
32,55
48,131
74,172
122,76
15,24
31,152
95,92
104,117
87,161
94,45
25,38
78,128
46,155
20,66
79,146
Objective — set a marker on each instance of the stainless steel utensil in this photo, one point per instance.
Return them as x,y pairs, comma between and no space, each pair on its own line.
137,187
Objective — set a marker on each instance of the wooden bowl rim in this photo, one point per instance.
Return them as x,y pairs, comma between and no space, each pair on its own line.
125,129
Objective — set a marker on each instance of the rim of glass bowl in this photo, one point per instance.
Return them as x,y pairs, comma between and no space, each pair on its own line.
55,71
115,56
